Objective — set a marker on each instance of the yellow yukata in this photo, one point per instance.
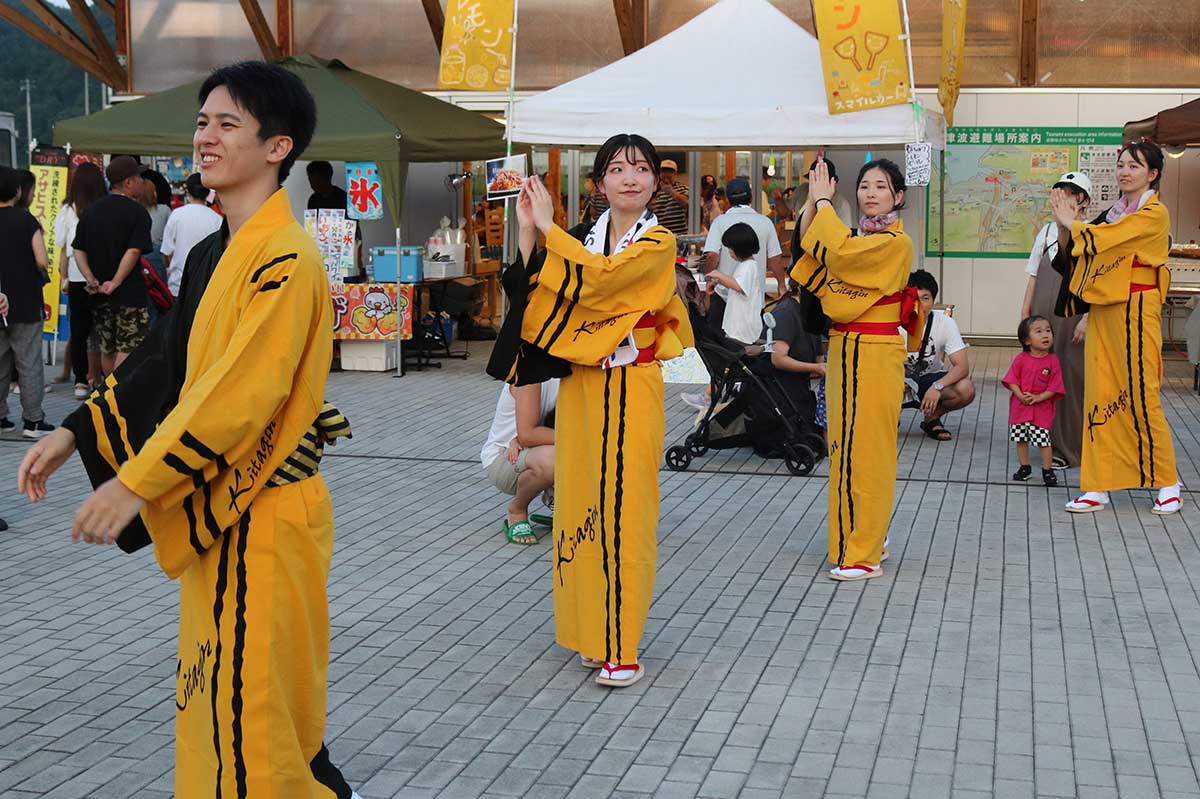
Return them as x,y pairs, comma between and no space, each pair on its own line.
235,507
1126,441
864,376
609,429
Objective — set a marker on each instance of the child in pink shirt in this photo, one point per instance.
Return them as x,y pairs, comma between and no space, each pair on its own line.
1035,380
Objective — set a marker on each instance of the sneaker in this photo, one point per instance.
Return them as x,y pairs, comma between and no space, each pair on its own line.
3,525
1059,464
1022,474
1049,477
37,429
82,391
1089,502
697,400
1168,501
6,425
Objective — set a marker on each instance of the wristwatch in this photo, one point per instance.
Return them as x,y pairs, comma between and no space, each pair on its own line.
939,387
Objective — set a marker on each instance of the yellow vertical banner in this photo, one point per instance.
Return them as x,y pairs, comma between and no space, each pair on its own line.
49,166
954,36
863,54
477,45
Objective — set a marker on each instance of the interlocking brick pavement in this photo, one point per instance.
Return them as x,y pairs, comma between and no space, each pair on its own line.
1011,650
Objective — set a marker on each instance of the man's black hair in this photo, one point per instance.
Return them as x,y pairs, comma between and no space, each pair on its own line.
832,167
921,279
741,240
277,99
195,187
162,189
320,168
10,184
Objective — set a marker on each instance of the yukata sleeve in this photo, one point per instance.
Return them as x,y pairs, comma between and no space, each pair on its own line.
831,251
225,408
1102,256
632,279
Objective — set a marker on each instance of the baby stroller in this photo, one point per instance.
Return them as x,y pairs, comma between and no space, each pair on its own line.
748,408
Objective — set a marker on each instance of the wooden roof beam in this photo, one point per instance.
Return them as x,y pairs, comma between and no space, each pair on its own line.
108,7
285,36
88,63
100,45
631,24
58,28
437,21
261,30
1029,43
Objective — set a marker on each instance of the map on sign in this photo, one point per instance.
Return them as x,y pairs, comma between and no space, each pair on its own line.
997,185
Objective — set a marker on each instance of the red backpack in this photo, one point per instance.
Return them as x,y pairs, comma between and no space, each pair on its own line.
160,293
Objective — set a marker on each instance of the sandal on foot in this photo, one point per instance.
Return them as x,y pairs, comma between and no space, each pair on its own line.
936,430
590,663
859,571
1168,500
518,530
1090,502
617,676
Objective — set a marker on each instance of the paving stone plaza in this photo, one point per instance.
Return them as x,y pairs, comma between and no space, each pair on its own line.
1010,649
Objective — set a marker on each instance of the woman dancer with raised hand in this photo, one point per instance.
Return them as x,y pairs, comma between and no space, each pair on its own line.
860,281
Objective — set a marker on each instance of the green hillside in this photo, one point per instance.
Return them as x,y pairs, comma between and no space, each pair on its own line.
58,85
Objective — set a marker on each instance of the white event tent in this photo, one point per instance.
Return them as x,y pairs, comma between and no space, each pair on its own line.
741,73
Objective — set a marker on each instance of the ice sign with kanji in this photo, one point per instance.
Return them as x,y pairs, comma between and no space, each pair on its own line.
364,190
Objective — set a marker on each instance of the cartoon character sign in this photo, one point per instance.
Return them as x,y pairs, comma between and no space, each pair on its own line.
372,312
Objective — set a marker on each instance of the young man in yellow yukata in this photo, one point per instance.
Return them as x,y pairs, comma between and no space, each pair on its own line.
206,443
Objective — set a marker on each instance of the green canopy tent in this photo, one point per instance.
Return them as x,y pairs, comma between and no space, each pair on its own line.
359,118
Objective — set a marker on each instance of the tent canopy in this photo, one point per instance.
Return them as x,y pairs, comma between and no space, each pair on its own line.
359,118
674,94
1179,126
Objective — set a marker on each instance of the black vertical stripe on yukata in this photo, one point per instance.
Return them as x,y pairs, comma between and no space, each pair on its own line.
603,525
618,507
1137,430
1141,361
210,520
559,298
842,464
218,610
850,438
112,431
239,653
570,305
196,446
189,511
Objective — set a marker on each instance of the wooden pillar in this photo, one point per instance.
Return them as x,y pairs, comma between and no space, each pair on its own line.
730,165
122,26
285,34
1029,43
554,184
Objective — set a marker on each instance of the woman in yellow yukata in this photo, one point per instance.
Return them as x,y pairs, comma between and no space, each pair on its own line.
206,443
861,284
598,309
1116,272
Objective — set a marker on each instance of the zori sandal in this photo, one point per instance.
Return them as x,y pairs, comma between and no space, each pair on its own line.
590,663
859,571
617,676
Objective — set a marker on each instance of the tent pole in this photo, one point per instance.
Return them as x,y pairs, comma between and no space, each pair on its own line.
912,78
508,121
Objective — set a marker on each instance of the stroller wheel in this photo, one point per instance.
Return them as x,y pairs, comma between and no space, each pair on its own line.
799,459
678,459
815,443
697,442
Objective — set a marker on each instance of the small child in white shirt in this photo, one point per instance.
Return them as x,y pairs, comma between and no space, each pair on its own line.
743,311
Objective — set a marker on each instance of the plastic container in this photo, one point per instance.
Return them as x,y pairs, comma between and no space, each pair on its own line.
383,264
411,264
368,356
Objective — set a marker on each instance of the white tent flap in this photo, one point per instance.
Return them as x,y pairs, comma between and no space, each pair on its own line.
675,92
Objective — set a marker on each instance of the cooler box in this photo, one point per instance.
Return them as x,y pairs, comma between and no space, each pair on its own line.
368,356
383,264
411,263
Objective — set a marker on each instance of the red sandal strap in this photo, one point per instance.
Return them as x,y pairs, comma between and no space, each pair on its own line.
1082,501
1167,500
613,668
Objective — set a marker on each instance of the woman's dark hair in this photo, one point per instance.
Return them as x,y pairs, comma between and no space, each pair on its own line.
1023,329
277,99
10,184
162,189
741,240
28,186
921,279
87,186
1149,155
894,175
832,167
627,144
709,181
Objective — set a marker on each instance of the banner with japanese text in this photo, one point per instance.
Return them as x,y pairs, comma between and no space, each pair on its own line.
863,57
49,165
372,311
477,45
954,37
364,190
